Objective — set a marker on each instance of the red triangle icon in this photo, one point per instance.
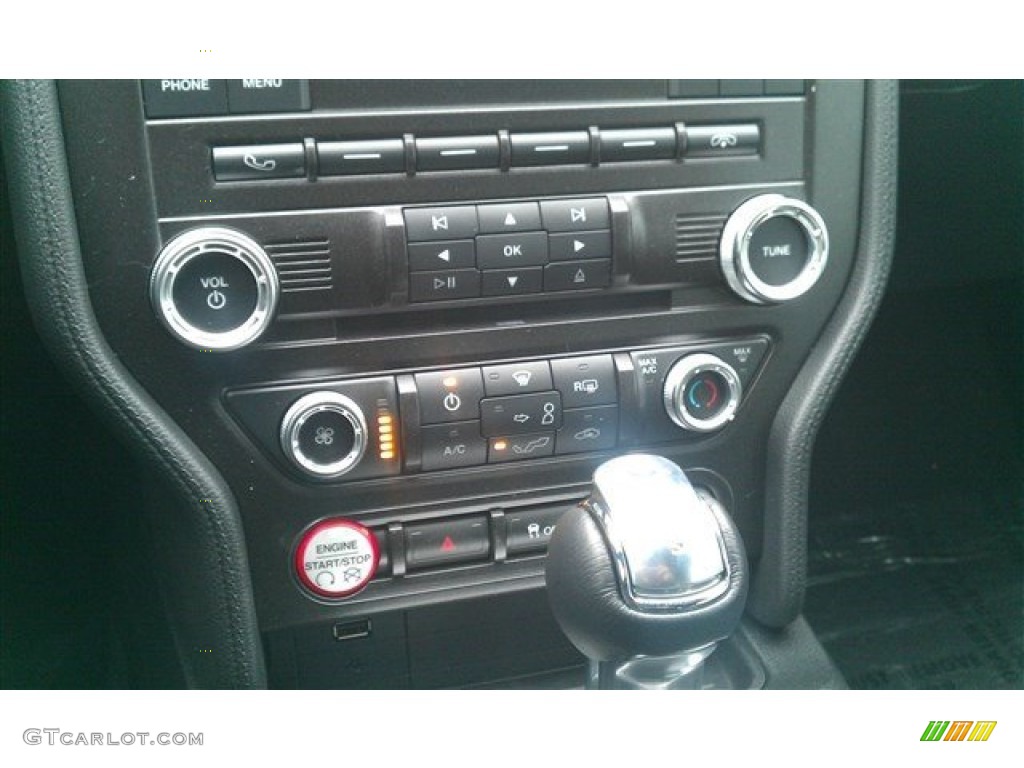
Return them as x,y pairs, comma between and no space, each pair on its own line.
447,545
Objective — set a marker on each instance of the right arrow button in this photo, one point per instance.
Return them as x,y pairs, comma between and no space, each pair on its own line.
580,245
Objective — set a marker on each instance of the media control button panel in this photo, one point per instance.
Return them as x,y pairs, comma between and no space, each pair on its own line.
508,249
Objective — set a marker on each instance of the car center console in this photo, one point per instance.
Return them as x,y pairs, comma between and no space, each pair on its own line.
405,321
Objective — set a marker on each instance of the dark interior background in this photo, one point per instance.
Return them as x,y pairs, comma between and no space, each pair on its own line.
916,566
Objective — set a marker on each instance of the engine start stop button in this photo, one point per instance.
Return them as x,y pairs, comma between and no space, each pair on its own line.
336,558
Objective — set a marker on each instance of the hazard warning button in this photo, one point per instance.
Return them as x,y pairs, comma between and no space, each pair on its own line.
447,542
336,558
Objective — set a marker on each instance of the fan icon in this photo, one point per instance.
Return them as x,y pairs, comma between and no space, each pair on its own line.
324,436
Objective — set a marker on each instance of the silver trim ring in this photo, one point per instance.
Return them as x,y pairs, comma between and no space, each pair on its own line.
193,244
681,374
306,407
734,249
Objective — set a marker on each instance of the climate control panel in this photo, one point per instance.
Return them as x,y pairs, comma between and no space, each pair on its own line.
521,410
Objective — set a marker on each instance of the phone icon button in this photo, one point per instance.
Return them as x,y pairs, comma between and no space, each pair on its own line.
267,165
261,161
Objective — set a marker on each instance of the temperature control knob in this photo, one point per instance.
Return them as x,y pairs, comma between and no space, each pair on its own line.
214,288
324,434
702,393
773,249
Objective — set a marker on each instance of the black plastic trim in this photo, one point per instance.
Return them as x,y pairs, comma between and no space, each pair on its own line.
777,591
222,616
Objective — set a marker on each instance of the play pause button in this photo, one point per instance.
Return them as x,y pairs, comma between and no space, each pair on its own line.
444,285
580,245
512,282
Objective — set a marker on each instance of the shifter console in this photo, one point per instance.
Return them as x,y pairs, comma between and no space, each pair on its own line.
646,575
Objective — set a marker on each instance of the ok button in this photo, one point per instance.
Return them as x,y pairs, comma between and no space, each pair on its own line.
515,249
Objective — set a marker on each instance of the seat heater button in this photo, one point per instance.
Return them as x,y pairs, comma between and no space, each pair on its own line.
337,558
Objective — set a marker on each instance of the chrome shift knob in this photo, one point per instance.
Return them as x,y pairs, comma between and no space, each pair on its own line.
664,541
646,575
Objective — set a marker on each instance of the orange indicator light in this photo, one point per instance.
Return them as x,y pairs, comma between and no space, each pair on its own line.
450,381
500,445
385,436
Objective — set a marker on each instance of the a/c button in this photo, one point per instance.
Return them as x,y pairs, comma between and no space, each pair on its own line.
448,446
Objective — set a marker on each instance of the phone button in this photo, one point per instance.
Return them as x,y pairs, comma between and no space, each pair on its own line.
263,161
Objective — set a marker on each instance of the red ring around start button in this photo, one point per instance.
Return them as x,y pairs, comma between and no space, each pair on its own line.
336,558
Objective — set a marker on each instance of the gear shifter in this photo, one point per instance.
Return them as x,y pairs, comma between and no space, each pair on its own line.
646,576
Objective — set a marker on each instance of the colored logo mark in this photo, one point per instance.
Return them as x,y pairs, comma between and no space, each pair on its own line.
958,730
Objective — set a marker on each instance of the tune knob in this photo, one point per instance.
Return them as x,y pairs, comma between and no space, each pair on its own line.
214,288
324,434
702,393
773,249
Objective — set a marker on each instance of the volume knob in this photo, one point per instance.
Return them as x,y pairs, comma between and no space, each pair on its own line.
214,288
773,249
